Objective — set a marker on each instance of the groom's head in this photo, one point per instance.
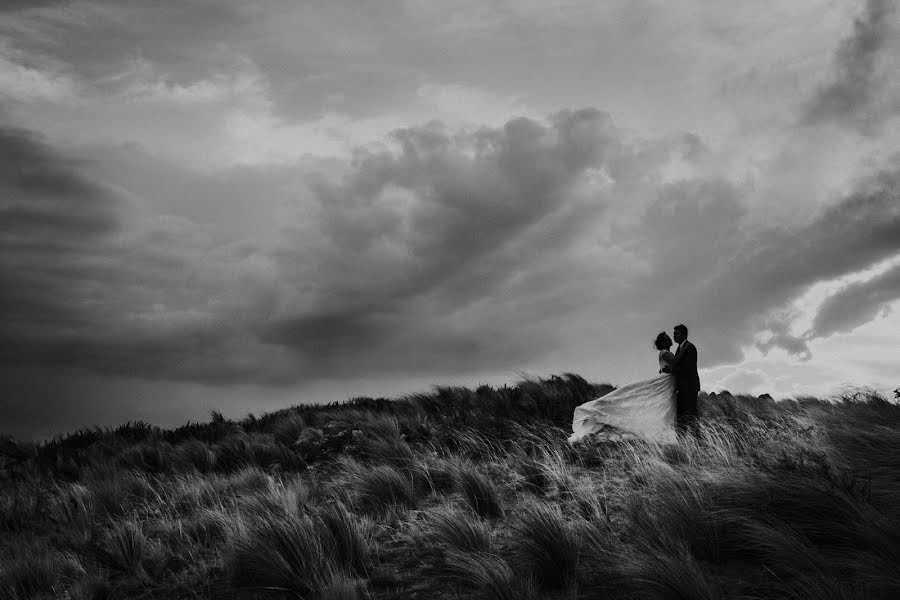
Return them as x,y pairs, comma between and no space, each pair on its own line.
680,333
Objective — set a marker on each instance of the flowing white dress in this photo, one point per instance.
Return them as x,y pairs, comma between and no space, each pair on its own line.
643,408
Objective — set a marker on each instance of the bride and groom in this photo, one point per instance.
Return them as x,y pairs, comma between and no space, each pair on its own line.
655,409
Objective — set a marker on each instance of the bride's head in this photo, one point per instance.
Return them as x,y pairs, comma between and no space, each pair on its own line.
663,341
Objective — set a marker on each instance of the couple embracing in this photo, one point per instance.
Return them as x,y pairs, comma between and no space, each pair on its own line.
656,409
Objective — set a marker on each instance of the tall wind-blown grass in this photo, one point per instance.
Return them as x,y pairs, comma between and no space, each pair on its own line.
279,553
462,493
548,545
453,529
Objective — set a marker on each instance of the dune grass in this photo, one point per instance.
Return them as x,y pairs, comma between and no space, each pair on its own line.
464,494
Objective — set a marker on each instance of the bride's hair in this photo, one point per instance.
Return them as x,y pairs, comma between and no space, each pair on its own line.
663,341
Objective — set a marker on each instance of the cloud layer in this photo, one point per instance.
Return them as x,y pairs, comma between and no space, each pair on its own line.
441,252
864,92
857,304
219,194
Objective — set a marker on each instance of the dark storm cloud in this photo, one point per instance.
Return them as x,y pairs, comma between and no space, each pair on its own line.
857,97
697,256
99,41
84,285
771,267
471,238
14,5
416,242
443,253
310,58
856,304
407,267
50,213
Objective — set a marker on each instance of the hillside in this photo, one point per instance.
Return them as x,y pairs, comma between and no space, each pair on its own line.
461,493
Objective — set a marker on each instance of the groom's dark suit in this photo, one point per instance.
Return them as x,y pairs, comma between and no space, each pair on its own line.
687,384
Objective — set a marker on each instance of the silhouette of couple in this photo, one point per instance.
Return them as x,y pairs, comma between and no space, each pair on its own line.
657,409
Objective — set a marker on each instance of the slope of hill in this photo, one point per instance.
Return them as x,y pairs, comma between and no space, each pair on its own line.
458,494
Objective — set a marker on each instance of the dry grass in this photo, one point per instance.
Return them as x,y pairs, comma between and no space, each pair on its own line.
454,529
547,545
470,493
377,489
479,491
278,553
486,576
36,571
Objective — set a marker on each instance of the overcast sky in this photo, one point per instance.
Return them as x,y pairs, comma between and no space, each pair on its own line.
245,205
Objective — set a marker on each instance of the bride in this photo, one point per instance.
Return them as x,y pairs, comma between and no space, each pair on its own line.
644,408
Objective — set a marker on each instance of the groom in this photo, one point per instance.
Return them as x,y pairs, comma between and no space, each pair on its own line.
687,381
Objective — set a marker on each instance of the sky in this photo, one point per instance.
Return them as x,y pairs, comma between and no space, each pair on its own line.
240,206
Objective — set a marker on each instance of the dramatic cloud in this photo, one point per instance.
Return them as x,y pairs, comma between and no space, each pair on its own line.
444,252
51,216
777,265
857,303
14,5
417,247
225,194
88,284
864,92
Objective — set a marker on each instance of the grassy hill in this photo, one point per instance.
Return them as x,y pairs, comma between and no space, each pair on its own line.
461,494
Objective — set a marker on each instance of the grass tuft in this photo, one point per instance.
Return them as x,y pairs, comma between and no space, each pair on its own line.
487,575
477,490
279,553
455,529
341,586
481,494
346,538
37,571
379,488
287,430
125,548
547,545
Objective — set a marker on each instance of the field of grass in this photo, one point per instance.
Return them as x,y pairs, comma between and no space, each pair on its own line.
461,494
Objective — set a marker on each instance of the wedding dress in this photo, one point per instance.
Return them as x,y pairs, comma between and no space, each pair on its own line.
643,408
